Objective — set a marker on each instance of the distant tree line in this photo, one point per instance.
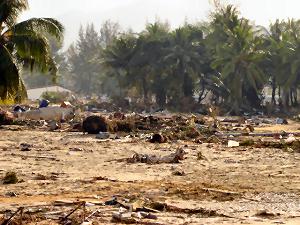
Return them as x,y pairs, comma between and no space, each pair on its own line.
226,60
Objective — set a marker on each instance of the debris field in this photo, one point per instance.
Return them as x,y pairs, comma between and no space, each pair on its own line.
158,169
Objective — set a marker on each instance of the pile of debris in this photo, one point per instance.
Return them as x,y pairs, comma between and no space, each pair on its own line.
154,159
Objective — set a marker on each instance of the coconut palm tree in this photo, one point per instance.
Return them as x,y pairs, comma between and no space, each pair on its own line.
116,60
184,56
23,44
238,54
283,49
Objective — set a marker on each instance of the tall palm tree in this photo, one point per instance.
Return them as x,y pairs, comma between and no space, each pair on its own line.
147,59
184,57
237,57
23,44
283,48
116,59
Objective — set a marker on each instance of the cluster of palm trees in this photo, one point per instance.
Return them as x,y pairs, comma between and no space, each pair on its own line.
228,57
226,60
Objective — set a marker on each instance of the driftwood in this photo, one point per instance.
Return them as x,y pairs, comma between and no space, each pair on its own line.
154,159
35,156
80,205
6,222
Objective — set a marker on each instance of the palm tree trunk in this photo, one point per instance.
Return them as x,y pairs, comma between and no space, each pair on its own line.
291,97
273,91
202,92
296,97
145,91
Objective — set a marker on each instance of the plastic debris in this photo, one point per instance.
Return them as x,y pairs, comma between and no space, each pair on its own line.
53,125
290,139
66,104
19,109
233,144
44,103
50,113
103,135
281,121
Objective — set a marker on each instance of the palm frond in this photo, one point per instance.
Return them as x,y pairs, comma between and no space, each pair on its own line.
33,50
37,26
10,10
11,85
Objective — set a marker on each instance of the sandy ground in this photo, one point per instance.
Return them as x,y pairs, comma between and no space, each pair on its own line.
240,185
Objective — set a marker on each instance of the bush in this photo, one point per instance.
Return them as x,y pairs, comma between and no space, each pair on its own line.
10,178
55,97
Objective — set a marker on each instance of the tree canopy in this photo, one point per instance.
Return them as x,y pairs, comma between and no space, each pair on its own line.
226,60
23,44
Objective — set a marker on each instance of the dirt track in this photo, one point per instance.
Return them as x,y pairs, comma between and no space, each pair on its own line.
236,184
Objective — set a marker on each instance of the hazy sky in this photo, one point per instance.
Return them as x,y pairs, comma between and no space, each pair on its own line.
135,13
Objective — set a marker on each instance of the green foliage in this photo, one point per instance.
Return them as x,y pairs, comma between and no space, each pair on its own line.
23,44
226,60
55,97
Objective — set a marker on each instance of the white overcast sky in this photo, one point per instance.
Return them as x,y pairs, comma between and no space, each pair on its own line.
135,13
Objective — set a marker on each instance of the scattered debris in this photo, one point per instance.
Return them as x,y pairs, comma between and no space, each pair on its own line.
66,104
200,156
9,220
233,144
159,206
265,214
157,138
119,116
94,125
76,149
213,139
6,118
19,109
53,125
153,159
125,125
178,173
290,139
113,201
10,178
103,135
11,194
49,113
145,215
44,103
247,142
281,121
80,205
123,218
25,147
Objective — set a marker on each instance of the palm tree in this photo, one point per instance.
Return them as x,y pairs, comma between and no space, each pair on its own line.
116,60
147,62
23,44
282,61
237,57
184,56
